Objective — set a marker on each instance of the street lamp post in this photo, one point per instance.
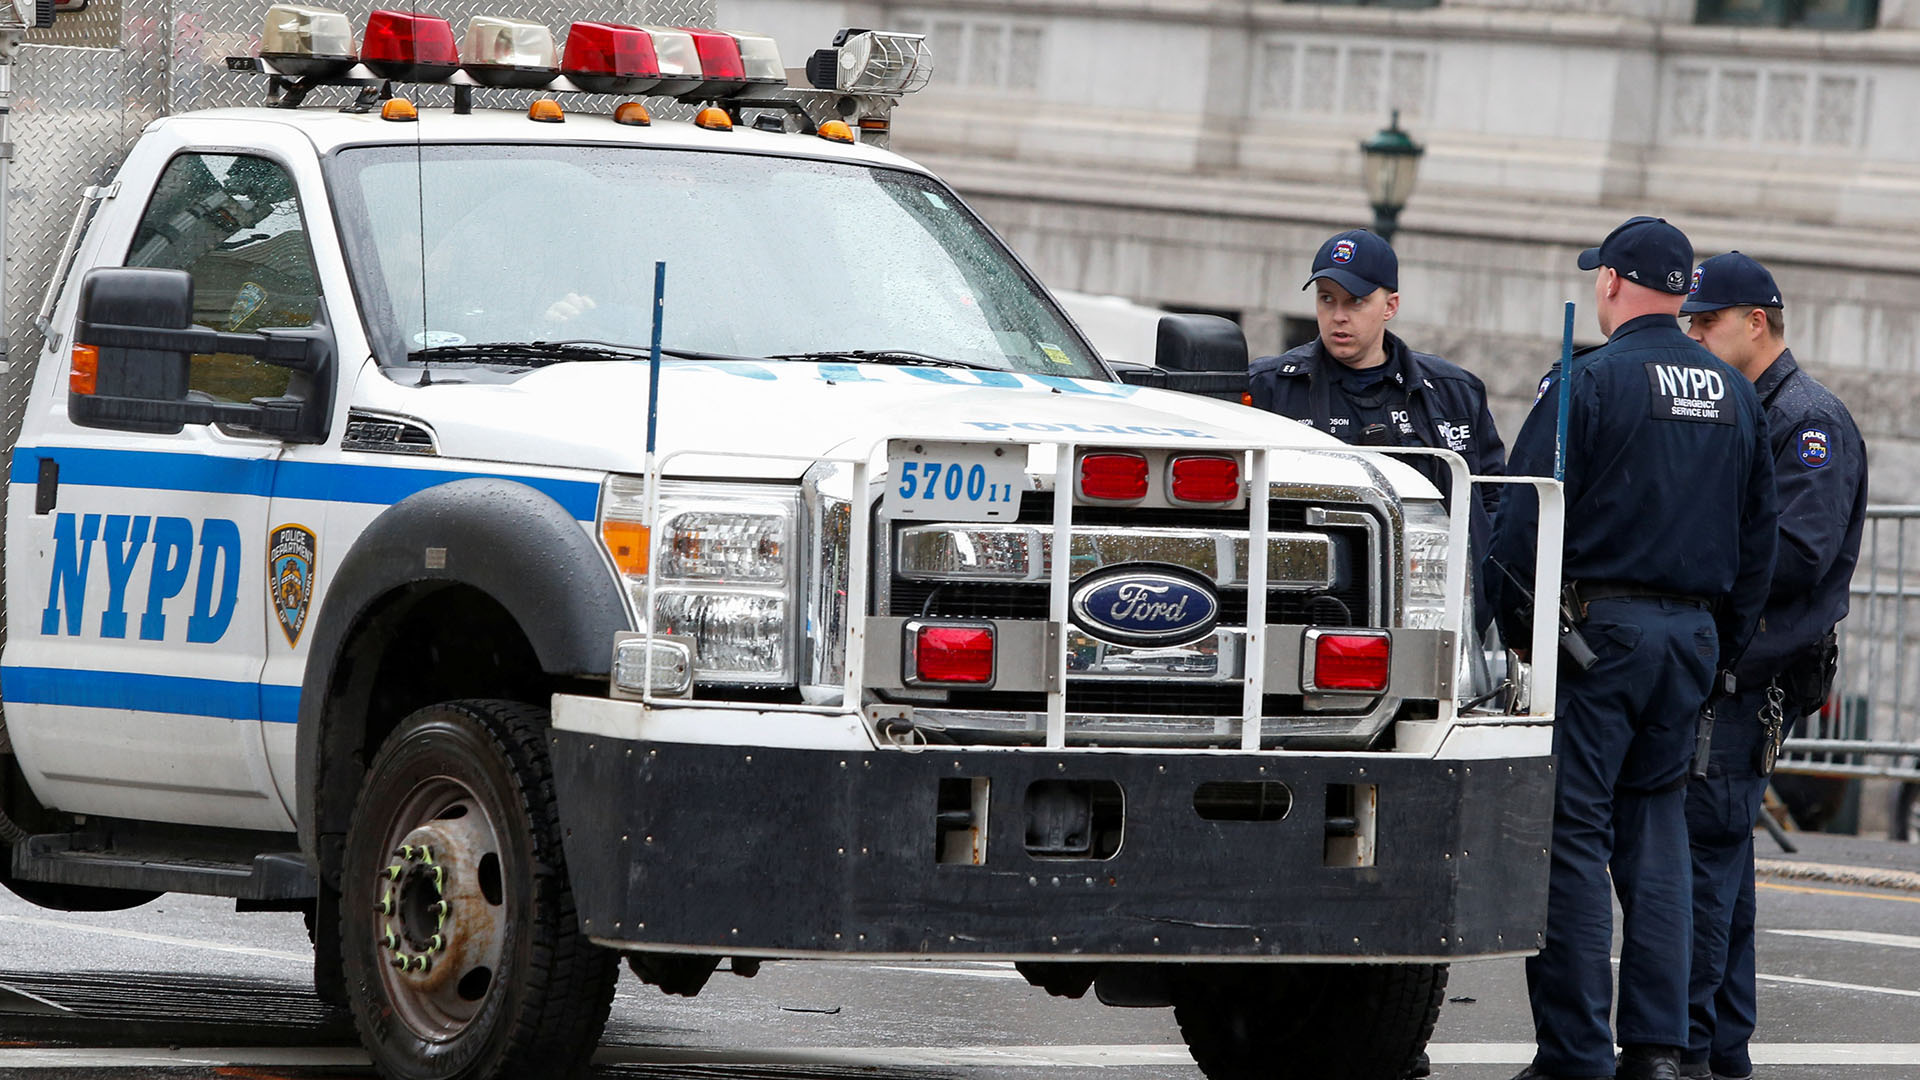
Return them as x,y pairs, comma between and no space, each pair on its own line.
1389,164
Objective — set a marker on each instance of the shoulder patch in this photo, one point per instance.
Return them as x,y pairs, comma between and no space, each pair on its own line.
1678,391
1546,381
1815,448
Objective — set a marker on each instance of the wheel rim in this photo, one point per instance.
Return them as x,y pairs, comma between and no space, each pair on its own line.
441,910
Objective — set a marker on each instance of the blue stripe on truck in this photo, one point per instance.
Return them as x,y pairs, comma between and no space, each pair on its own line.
320,481
150,693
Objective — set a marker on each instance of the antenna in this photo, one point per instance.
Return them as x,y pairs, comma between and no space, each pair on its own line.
653,379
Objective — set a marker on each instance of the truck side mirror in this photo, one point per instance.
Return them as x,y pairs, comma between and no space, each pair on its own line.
133,349
1202,354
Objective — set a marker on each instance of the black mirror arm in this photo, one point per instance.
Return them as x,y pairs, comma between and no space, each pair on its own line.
301,350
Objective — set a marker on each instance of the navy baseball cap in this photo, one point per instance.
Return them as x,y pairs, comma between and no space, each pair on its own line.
1731,280
1646,251
1358,261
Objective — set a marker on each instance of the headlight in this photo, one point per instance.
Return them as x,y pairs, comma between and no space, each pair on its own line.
725,564
1425,552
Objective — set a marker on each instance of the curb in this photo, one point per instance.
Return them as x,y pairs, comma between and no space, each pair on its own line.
1865,876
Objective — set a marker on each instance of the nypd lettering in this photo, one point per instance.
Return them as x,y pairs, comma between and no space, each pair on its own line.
1457,434
1686,392
213,563
1815,448
290,563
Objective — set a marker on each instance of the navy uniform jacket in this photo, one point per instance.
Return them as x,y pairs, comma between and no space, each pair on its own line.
1669,480
1446,406
1820,474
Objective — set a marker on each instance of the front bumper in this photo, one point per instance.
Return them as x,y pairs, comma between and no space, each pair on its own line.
772,851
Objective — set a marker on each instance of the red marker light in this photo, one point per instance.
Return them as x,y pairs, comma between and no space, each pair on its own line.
719,55
952,654
1352,661
1205,479
608,58
1113,477
411,48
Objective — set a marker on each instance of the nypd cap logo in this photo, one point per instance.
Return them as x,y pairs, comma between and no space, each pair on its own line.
1695,287
1815,449
1343,251
290,563
1145,604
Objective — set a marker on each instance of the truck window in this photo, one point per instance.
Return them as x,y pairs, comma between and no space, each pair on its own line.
479,244
233,222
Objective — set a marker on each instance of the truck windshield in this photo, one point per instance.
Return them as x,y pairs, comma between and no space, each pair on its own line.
466,244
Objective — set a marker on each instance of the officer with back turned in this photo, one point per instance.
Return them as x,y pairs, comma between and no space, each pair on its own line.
1668,549
1820,475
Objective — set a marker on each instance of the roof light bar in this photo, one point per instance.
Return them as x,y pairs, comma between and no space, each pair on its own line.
609,58
307,41
410,48
679,60
507,52
872,62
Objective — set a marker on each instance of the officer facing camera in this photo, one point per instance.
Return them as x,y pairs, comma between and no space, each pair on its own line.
1820,477
1669,543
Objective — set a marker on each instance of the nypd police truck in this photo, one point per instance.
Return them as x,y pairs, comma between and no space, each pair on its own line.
533,496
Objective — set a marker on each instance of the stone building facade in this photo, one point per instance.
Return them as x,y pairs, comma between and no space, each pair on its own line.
1192,153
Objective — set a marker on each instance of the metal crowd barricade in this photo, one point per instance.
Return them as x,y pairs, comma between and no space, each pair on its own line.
1869,725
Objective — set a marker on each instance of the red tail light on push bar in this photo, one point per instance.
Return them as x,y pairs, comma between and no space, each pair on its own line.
948,654
1204,479
1113,477
1351,661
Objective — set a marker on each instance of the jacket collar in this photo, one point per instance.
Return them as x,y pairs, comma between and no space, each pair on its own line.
1777,372
1403,368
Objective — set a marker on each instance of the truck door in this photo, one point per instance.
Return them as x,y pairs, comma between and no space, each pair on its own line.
139,626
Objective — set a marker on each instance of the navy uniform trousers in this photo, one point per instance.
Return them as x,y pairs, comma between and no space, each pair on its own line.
1623,741
1721,812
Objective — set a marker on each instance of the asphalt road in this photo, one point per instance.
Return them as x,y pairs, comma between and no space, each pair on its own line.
186,988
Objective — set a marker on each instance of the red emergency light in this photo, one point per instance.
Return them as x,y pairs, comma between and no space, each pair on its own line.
1109,477
1204,479
408,47
1353,660
733,63
951,655
609,58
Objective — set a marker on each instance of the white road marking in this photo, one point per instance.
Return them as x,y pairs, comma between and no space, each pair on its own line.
985,1057
972,973
1795,980
157,939
1856,937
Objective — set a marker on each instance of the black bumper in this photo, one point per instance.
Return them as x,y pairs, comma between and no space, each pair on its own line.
763,851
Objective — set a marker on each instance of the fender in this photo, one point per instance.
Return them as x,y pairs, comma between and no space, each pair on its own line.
505,539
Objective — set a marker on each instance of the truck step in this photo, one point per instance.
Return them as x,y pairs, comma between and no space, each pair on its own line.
84,859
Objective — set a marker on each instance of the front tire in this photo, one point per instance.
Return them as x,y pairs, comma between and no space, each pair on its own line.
463,955
1309,1021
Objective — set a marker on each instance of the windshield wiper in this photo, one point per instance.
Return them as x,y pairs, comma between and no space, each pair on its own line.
888,356
542,353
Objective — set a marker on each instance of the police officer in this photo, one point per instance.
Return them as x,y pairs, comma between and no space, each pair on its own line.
1820,477
1669,544
1360,383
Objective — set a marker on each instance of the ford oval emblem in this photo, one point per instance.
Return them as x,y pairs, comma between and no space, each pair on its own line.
1145,604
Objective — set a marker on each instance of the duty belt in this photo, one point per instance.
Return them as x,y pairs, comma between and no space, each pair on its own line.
1586,592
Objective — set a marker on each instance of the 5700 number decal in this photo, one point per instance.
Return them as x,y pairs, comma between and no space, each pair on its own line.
952,481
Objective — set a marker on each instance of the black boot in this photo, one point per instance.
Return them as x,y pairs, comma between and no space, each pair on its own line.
1421,1067
1649,1063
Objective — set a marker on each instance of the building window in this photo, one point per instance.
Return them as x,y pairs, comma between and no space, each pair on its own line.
1810,14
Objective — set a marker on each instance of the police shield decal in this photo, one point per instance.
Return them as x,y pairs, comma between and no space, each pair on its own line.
290,562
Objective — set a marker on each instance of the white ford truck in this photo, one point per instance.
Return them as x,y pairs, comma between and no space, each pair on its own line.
379,546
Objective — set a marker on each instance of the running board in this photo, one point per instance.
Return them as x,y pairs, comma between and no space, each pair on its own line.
87,859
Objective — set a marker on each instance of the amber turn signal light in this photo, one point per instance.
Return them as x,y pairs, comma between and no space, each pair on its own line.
85,376
628,541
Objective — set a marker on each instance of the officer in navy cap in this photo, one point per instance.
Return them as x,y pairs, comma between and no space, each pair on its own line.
1669,545
1820,477
1360,383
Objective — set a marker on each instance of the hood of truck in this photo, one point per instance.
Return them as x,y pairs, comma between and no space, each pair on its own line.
771,420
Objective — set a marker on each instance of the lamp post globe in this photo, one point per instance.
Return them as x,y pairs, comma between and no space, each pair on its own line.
1389,164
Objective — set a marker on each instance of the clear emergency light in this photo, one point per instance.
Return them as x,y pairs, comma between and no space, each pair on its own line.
872,62
505,52
303,40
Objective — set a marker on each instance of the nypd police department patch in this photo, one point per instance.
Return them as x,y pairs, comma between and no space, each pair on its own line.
1815,449
1687,392
1545,382
290,566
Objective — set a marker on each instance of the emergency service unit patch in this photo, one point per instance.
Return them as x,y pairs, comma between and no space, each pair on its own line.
1545,382
1815,449
290,562
1686,392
